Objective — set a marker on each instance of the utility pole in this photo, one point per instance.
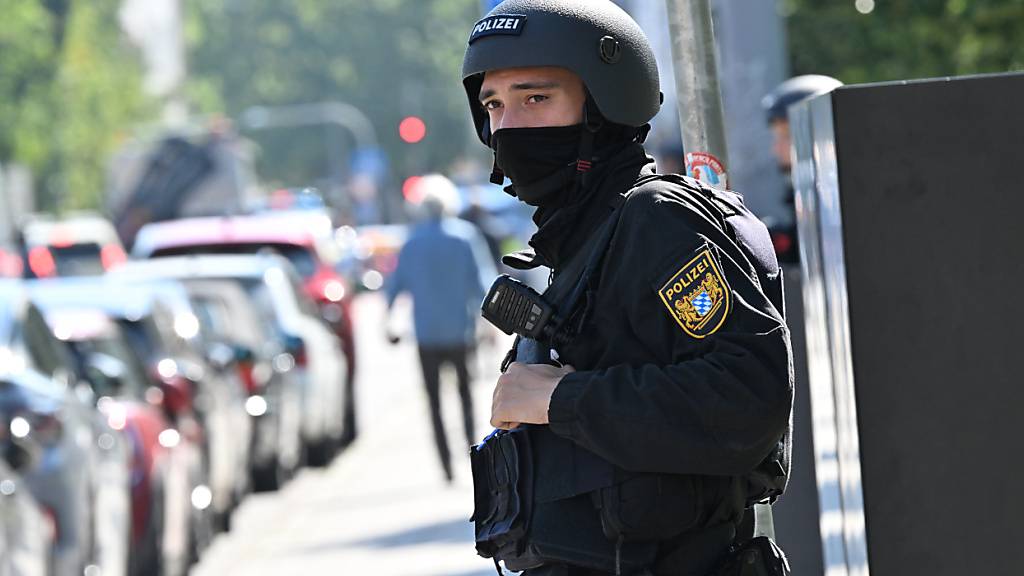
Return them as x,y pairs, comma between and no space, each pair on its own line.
697,89
702,120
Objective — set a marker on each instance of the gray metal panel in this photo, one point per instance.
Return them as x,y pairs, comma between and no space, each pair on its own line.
932,200
910,279
826,321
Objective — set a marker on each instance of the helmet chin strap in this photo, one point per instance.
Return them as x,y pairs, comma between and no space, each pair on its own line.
592,124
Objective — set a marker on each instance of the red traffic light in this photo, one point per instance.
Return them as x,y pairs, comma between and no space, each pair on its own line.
412,129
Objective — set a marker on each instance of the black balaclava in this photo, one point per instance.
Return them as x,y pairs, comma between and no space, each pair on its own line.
543,162
550,169
538,161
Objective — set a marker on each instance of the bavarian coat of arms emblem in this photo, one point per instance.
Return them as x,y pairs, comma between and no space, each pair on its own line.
697,296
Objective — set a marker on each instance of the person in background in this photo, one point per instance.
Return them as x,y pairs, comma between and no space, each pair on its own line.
776,106
444,267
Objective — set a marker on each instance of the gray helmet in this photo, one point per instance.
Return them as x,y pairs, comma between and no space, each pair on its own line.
595,39
777,102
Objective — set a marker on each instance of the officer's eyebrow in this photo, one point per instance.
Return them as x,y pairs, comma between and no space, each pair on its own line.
540,85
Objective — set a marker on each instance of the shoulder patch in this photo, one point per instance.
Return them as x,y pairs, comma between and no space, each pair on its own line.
697,296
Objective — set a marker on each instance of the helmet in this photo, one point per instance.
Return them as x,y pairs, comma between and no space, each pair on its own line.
777,102
595,39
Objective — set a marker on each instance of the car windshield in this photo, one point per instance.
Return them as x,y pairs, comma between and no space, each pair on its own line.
282,309
236,323
301,257
78,259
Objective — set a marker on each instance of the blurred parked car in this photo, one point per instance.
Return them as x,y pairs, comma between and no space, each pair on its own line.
204,405
305,238
209,365
103,358
26,534
273,285
81,475
266,366
278,404
81,245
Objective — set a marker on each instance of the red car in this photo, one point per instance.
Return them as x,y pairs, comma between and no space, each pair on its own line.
305,238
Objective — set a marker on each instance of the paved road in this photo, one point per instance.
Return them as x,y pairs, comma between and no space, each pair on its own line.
382,507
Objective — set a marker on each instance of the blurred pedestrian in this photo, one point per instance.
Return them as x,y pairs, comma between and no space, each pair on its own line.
444,267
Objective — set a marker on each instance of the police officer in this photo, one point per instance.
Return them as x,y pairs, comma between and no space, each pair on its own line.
674,384
776,106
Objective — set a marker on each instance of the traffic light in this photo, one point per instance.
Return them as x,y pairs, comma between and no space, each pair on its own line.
412,129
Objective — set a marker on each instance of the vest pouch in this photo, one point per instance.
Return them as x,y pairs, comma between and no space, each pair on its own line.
502,491
650,507
568,532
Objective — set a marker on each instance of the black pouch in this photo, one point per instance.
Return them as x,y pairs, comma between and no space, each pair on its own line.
513,525
759,556
650,507
502,491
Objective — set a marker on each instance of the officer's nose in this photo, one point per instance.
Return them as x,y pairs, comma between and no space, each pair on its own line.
509,118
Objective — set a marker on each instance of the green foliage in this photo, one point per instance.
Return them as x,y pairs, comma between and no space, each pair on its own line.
388,58
27,67
67,85
99,98
904,39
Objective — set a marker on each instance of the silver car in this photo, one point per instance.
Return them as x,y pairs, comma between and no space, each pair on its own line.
26,535
81,477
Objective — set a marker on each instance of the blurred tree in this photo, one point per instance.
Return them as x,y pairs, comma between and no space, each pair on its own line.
389,58
27,69
879,40
99,86
67,86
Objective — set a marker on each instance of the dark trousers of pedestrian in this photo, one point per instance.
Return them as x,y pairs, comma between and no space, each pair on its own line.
431,360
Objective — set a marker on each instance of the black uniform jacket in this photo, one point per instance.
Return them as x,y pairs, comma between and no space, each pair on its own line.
683,360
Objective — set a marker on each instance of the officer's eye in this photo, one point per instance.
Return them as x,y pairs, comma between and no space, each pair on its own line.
491,105
536,98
